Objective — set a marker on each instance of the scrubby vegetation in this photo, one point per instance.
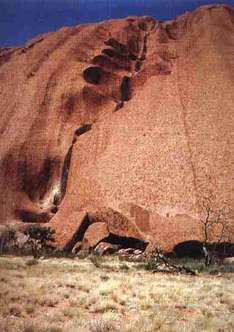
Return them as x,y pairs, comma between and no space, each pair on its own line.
40,239
108,294
35,240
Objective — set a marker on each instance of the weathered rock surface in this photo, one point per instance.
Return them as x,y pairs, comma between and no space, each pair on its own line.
97,225
105,248
133,114
94,234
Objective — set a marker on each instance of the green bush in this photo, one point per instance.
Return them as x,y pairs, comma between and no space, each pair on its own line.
40,239
41,234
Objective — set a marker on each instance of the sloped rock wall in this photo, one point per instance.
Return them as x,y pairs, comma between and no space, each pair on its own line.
130,112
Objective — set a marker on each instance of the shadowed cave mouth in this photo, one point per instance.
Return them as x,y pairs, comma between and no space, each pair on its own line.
94,75
126,241
194,249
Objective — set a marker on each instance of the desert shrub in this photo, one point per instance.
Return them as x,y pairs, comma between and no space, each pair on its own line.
7,240
82,254
102,325
41,234
199,266
32,262
40,239
96,260
124,267
158,262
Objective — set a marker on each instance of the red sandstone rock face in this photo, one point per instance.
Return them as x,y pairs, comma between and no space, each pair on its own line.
94,234
132,114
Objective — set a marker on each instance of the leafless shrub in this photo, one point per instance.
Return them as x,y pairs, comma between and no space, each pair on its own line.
216,227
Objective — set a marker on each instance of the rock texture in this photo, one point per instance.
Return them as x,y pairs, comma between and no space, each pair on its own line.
134,114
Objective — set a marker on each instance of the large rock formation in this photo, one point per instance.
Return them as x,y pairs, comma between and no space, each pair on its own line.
133,115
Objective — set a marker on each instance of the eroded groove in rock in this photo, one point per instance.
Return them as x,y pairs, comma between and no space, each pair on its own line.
138,65
119,47
65,173
140,155
142,26
187,136
142,56
35,184
83,129
6,54
172,30
46,55
119,56
126,88
59,196
29,46
119,105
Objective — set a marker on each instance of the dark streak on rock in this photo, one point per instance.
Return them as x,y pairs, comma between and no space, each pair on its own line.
121,48
83,129
35,184
79,234
65,172
30,216
5,54
125,88
119,105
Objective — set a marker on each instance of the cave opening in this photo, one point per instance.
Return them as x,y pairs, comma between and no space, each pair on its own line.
93,75
126,242
125,88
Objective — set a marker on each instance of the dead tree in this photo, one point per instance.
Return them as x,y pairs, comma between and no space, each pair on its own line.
215,227
161,263
7,240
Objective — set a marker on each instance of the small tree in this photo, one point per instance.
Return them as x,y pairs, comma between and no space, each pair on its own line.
40,238
7,239
216,226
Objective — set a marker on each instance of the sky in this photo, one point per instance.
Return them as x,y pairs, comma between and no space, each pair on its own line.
20,20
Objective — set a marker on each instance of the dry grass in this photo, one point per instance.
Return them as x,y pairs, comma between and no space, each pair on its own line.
73,295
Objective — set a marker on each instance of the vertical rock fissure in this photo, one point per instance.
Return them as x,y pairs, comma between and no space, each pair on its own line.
79,234
188,141
126,94
65,172
58,198
125,88
142,57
